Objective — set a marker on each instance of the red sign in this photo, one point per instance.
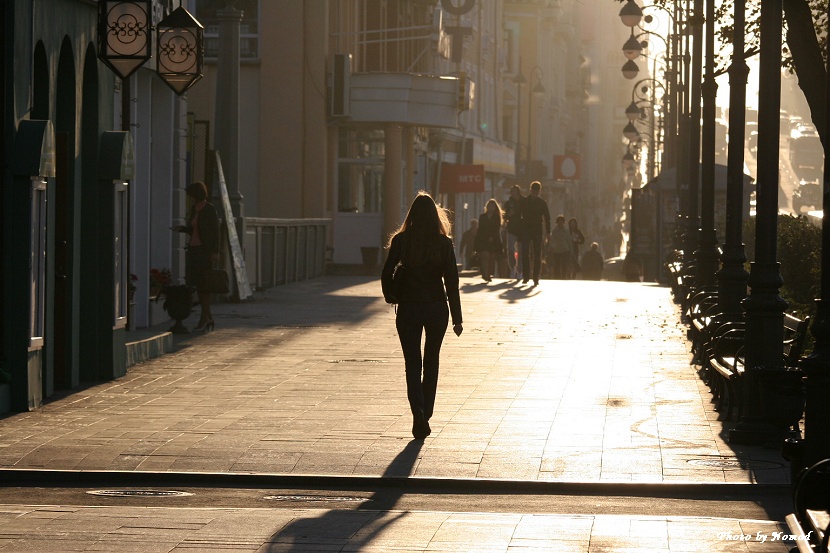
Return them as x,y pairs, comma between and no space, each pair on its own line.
456,179
567,167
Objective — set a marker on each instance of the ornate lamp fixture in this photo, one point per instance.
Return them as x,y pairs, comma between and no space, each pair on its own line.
630,70
124,35
631,132
125,43
631,14
632,48
633,112
181,53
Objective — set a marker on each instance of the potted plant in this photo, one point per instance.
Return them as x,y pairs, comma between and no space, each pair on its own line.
178,302
159,279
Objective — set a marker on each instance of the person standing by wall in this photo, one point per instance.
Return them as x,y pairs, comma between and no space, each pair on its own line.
202,247
536,219
422,245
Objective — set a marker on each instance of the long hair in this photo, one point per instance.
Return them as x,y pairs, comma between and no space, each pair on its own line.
499,212
423,227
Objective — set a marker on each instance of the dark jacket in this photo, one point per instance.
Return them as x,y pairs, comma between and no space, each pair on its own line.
535,212
513,216
426,283
208,227
488,238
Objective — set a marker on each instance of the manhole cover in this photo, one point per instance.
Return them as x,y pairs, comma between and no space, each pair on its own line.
356,361
734,464
139,493
345,498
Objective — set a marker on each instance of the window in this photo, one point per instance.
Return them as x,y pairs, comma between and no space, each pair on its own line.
360,170
248,31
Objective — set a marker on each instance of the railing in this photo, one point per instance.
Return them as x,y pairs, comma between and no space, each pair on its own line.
280,251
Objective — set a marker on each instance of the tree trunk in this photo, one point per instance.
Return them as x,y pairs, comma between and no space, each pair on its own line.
807,59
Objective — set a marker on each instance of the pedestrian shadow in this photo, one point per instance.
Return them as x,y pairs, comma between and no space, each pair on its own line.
514,294
335,529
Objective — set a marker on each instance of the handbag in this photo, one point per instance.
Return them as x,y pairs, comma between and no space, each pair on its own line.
216,282
398,279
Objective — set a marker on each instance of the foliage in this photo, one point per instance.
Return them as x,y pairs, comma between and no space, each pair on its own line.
799,252
159,278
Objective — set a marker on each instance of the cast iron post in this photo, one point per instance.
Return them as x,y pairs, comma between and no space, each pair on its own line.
733,276
707,255
764,306
817,365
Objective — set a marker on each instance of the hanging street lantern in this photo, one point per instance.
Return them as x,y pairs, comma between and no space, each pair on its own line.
633,112
124,43
631,14
181,50
630,70
632,48
631,132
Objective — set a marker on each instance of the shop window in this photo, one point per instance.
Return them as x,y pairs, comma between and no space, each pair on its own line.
360,171
37,263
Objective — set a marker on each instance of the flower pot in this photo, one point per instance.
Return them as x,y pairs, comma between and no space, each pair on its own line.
178,303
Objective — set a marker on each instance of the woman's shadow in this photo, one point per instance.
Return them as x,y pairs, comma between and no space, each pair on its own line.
335,528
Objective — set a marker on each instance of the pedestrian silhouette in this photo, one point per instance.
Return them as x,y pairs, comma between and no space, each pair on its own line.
423,247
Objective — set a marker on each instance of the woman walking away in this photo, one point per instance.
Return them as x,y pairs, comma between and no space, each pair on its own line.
423,248
202,247
488,239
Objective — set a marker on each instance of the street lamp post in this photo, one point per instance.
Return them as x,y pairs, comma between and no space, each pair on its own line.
537,89
817,365
764,306
732,277
519,79
707,255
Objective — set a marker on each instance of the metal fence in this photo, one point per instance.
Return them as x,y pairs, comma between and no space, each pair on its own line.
280,251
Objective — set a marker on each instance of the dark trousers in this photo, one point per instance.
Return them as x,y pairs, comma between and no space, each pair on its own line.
412,320
560,264
532,245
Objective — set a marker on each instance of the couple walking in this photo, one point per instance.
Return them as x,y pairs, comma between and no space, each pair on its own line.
528,226
527,223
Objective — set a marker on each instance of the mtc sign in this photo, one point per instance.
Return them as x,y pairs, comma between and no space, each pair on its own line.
457,179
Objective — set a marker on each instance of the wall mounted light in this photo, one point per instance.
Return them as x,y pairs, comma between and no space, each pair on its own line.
125,42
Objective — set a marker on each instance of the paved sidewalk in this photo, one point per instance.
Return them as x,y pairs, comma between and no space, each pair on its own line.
282,531
567,382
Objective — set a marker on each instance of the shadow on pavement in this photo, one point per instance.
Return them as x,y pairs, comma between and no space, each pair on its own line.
359,527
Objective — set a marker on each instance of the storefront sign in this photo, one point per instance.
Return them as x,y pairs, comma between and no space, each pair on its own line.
457,179
567,167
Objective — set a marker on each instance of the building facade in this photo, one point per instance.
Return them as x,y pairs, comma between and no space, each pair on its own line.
89,192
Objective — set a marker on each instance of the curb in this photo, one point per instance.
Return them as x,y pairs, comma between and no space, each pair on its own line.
11,477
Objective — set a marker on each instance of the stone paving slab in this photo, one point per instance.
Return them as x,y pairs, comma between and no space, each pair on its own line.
260,530
569,381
